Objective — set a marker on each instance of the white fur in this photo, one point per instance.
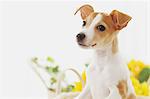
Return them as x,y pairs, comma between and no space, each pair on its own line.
89,32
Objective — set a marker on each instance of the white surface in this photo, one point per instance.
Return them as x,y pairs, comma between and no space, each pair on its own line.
48,29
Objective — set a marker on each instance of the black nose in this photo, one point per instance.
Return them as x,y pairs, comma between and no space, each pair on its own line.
80,36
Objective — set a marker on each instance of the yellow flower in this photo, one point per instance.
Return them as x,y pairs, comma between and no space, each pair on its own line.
142,89
78,85
131,64
135,67
149,90
134,80
145,89
84,76
136,85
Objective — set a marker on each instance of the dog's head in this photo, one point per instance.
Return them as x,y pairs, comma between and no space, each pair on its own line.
100,30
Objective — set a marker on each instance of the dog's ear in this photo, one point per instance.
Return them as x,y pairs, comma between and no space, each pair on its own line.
120,19
85,11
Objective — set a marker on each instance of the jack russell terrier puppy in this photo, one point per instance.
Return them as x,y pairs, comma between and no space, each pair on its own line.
108,76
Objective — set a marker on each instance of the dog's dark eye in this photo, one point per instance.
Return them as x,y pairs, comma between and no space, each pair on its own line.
101,28
84,23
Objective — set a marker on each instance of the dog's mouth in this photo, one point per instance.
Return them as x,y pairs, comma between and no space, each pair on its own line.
83,45
94,45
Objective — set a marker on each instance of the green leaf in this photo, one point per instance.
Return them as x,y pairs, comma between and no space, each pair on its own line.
49,69
69,88
52,70
53,80
52,89
56,69
144,75
50,59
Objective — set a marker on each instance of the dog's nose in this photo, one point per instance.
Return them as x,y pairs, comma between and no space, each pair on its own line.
80,36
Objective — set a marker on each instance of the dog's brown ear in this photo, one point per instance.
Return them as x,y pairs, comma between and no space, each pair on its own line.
120,19
85,11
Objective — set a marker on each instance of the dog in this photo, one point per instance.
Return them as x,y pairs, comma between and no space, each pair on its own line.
108,76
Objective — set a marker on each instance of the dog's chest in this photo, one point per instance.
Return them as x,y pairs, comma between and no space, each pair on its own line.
107,70
104,75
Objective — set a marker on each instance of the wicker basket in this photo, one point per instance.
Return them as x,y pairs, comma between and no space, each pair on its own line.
57,94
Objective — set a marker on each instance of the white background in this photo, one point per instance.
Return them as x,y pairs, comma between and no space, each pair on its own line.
48,29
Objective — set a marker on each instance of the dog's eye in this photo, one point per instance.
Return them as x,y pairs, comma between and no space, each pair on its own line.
84,23
101,28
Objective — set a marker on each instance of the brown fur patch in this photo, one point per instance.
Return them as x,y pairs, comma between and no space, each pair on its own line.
123,90
122,86
85,11
120,19
115,45
131,96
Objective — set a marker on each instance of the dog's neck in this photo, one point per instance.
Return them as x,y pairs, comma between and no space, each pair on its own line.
102,56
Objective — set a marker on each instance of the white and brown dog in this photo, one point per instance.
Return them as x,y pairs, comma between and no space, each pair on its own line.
108,76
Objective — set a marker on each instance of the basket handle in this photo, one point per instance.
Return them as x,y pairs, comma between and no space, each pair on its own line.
58,88
34,64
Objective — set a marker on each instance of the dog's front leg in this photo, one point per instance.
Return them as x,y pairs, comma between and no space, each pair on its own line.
85,94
